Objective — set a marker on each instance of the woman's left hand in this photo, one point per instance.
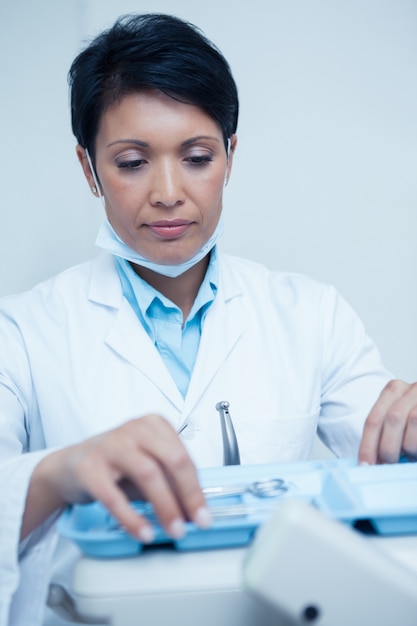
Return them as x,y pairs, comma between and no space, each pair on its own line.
391,427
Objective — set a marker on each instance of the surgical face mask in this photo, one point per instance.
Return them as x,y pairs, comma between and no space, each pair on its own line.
108,240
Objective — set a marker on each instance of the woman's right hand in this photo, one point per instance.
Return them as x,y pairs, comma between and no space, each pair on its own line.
144,457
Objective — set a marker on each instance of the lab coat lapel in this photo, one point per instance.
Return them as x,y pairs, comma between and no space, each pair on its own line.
126,335
130,340
222,330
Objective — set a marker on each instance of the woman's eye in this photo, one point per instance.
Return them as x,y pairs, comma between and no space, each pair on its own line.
131,164
199,159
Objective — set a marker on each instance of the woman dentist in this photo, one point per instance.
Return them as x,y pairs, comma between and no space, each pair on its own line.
111,371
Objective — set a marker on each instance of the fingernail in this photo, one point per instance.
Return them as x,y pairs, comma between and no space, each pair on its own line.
363,463
177,529
146,534
203,517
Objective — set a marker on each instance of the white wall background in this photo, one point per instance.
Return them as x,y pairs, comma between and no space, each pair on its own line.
325,177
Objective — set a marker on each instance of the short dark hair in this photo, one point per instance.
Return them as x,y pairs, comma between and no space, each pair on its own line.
154,51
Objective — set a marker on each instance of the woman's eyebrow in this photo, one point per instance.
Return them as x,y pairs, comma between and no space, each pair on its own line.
137,142
192,140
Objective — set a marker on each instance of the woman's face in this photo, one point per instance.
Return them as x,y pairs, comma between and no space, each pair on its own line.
162,167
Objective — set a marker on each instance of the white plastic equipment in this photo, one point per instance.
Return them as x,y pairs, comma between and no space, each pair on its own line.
315,570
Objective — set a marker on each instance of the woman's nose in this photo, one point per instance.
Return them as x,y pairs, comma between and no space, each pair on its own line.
167,188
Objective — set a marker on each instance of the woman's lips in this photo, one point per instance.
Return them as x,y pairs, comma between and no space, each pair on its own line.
169,229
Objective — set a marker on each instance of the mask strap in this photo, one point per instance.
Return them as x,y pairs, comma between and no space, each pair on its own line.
229,144
228,147
93,172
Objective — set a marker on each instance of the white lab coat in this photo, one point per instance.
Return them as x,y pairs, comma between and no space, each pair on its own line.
287,353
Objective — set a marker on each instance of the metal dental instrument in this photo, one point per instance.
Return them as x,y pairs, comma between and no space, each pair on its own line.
231,454
218,512
265,488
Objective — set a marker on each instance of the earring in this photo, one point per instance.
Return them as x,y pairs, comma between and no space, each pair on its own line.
94,189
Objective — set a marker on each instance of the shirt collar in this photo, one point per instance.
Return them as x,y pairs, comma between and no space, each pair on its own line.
141,295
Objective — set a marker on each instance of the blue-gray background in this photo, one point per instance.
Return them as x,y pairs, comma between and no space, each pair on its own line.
325,177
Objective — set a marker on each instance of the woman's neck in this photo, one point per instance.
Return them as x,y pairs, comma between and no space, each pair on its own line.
181,290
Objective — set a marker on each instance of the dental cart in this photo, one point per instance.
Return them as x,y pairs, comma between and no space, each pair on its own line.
285,548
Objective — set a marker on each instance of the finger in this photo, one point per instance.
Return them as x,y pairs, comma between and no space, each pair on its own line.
369,450
409,446
409,443
180,476
149,477
184,479
392,433
115,501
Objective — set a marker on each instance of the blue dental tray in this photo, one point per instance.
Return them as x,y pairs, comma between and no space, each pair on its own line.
383,495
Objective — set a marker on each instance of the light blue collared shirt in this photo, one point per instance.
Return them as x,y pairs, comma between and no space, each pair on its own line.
176,342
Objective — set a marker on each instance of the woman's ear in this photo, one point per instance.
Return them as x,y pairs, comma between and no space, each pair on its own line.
85,164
